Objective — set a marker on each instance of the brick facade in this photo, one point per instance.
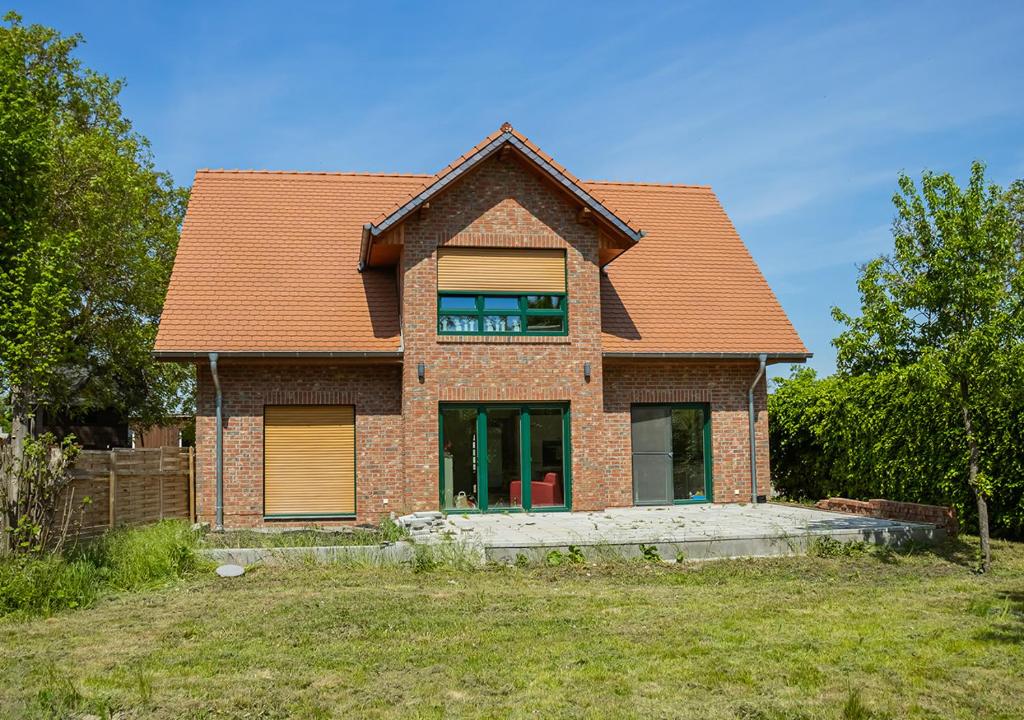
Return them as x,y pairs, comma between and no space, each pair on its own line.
500,204
374,390
723,386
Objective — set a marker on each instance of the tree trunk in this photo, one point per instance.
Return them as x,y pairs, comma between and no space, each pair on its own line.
986,550
972,478
20,433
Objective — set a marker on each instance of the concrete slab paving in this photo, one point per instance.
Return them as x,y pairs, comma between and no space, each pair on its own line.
678,531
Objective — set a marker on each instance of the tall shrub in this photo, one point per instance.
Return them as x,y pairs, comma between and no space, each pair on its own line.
888,435
37,517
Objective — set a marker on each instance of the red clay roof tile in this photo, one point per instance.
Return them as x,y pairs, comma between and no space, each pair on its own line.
690,285
267,262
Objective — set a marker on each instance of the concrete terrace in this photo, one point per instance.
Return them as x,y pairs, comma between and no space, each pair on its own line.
695,532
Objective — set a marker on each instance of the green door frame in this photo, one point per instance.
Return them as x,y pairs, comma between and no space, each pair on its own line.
708,461
525,461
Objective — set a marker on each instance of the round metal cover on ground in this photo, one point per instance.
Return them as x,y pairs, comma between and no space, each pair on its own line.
230,570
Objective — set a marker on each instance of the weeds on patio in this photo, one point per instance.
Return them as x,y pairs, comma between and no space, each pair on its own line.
447,555
387,532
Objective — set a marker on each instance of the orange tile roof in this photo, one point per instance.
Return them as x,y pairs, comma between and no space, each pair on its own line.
267,262
690,285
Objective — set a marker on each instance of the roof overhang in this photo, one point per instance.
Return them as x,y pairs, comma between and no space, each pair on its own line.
189,355
771,357
507,137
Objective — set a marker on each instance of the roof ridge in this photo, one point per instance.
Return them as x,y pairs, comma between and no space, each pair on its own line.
227,171
506,134
691,186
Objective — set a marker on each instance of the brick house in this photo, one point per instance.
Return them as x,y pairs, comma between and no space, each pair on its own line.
499,336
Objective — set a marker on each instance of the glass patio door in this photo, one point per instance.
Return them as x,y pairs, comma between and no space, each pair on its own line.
506,457
460,458
671,454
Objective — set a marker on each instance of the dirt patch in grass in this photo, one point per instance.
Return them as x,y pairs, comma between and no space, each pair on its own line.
310,537
916,636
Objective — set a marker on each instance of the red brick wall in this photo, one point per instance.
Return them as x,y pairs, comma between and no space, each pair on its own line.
501,204
939,515
375,391
723,385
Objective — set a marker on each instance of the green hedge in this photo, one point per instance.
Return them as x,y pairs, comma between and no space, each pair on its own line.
890,436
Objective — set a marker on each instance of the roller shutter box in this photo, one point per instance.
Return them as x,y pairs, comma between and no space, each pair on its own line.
309,460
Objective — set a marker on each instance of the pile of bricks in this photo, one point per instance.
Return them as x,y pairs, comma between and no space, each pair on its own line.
423,525
938,515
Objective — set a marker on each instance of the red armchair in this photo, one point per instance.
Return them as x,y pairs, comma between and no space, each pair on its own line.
542,492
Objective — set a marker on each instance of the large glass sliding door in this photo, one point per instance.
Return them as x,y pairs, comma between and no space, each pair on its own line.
505,457
671,454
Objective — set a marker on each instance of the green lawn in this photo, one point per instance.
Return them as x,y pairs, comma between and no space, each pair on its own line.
868,636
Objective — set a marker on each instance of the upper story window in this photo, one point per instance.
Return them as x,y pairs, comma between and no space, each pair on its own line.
491,291
501,314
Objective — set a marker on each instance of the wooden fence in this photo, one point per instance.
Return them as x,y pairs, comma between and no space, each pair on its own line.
131,487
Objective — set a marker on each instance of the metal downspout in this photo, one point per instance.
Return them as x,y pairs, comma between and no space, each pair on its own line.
753,423
218,452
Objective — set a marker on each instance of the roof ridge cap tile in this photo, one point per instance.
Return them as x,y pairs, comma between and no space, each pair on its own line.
626,183
343,173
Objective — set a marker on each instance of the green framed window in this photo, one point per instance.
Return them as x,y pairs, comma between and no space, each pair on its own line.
504,457
501,313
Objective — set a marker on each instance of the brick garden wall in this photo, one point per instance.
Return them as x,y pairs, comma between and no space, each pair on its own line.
938,515
374,390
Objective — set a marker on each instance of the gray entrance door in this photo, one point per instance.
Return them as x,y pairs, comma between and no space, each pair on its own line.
652,455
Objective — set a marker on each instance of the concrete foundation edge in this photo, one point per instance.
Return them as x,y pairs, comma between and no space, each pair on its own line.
719,548
669,550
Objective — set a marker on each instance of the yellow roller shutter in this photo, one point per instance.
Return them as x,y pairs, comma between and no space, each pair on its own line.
309,460
501,270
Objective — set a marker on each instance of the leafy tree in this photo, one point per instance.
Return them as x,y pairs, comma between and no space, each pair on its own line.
88,231
945,308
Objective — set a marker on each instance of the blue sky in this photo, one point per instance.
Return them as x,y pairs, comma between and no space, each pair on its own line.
800,115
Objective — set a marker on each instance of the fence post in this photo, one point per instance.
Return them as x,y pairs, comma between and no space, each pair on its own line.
160,474
112,509
191,484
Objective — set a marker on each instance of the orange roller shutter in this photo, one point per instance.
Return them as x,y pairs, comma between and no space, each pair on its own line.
309,460
522,270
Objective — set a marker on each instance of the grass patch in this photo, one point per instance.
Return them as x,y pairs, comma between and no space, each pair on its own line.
140,558
44,586
841,637
386,532
122,560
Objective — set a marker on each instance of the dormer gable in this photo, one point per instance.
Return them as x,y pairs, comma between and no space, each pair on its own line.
382,234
